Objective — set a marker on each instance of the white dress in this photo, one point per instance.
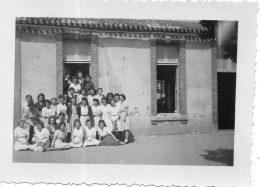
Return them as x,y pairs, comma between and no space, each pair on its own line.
124,116
114,116
90,99
77,88
42,139
60,142
77,137
84,115
22,135
79,97
62,108
100,98
105,115
97,115
90,137
46,114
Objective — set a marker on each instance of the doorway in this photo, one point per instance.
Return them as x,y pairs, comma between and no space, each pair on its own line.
73,68
166,82
226,100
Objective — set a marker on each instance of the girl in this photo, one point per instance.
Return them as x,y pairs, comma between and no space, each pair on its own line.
99,95
47,112
52,127
106,137
75,85
77,135
105,113
73,114
41,102
96,112
59,139
41,138
90,135
62,106
21,135
85,112
91,96
124,117
83,94
54,105
114,116
109,97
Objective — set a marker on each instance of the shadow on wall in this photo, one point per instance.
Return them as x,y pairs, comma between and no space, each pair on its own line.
225,156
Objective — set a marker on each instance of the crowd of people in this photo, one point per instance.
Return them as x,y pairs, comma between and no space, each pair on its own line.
83,116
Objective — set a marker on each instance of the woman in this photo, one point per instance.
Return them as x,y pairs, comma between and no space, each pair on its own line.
41,102
85,112
21,135
47,112
52,127
114,116
105,113
61,107
41,138
31,116
60,137
73,114
69,96
62,119
91,96
109,97
25,105
77,135
54,104
96,112
118,102
75,85
83,94
124,117
106,137
90,134
100,95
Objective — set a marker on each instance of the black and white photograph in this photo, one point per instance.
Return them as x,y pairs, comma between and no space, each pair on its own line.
120,91
128,92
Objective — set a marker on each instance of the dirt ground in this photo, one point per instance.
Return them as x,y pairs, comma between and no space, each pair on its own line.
187,149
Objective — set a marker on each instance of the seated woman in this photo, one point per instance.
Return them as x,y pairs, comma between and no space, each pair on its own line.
96,110
105,113
77,135
59,139
73,113
47,112
90,135
106,137
52,127
41,138
21,135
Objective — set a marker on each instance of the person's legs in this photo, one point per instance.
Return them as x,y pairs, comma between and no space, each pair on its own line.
126,136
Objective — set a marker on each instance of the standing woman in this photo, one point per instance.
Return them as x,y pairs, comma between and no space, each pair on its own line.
31,116
114,117
60,137
75,85
77,135
54,104
118,102
106,137
61,107
91,96
47,112
124,117
109,97
83,94
105,113
41,138
96,112
85,112
41,102
25,105
73,114
100,95
21,135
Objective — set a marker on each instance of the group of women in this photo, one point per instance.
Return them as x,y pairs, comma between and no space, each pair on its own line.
81,118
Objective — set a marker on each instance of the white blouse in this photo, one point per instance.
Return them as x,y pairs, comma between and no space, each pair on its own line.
43,135
77,88
114,111
103,132
96,110
90,133
61,108
47,112
105,110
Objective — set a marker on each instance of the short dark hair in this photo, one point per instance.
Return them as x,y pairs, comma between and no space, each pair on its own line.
77,120
48,101
92,125
61,96
41,94
122,95
54,98
28,96
84,99
21,120
100,89
102,121
93,90
112,100
88,76
109,93
71,88
83,89
116,94
49,121
104,99
95,99
39,122
62,123
62,114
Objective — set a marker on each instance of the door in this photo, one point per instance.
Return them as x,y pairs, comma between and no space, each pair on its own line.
226,100
73,68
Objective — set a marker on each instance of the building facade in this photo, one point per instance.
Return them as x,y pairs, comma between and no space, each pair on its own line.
168,70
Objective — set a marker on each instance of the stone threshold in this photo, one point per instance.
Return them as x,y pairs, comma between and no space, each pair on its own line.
170,117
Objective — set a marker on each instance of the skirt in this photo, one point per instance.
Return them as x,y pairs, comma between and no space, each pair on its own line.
41,147
76,142
61,145
83,120
108,140
18,146
91,143
124,125
71,124
116,125
108,122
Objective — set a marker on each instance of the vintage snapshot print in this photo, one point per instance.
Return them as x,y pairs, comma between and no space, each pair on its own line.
114,95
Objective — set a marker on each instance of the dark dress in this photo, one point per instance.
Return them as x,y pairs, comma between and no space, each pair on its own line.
68,99
39,106
89,85
66,86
